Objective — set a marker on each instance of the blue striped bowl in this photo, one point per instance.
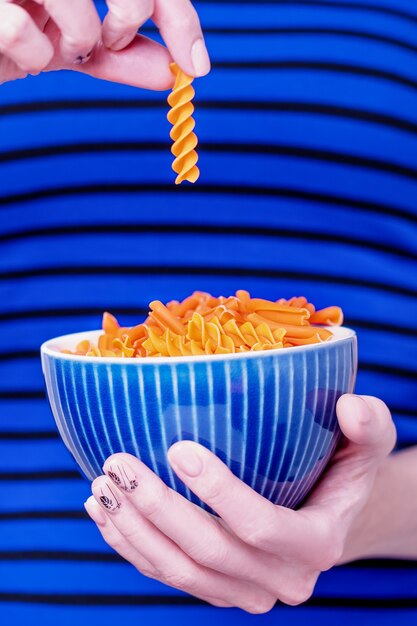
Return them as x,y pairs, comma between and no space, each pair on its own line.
270,416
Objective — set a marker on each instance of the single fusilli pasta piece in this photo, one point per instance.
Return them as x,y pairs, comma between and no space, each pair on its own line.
180,116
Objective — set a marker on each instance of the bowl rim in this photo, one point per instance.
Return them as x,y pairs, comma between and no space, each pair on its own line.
342,334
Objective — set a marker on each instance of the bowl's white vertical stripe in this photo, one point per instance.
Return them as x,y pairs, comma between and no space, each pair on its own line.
319,448
92,458
76,447
315,385
90,417
162,423
191,379
113,408
245,417
274,425
288,422
261,388
228,416
300,430
124,376
145,420
212,418
100,407
176,407
54,395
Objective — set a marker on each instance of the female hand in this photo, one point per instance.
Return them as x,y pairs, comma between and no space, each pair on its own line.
255,553
44,35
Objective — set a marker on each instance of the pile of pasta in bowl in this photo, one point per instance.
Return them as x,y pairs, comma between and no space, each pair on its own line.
205,324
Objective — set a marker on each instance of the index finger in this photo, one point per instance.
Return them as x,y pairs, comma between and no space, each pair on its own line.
251,517
144,64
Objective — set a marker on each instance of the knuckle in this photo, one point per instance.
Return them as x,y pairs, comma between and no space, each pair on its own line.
187,21
153,500
333,552
297,596
255,534
131,15
13,31
213,553
262,604
213,490
185,579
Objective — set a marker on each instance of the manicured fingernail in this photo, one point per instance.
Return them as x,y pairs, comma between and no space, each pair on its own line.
121,43
200,58
95,512
107,497
122,475
186,460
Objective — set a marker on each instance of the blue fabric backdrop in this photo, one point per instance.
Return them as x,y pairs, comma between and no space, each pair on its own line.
308,144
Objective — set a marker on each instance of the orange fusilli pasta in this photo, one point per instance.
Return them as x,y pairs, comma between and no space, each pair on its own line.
205,324
180,116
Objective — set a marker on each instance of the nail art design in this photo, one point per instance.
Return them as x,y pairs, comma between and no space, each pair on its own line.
123,477
80,59
110,500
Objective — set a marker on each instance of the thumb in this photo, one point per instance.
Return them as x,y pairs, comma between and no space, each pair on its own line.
367,424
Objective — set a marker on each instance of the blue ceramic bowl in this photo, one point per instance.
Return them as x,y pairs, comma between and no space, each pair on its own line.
270,416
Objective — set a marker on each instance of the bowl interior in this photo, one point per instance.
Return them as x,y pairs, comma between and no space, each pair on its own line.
53,347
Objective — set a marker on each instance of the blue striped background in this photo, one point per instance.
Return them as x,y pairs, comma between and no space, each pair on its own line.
308,137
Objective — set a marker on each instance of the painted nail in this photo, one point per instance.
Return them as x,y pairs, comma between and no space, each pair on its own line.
186,460
95,512
108,499
83,59
122,476
200,58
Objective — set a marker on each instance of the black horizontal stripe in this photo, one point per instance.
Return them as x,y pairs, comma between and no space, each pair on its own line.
379,368
378,327
112,557
39,475
32,314
215,189
319,31
23,394
321,66
326,110
69,312
183,601
231,230
300,152
6,516
404,411
194,270
28,435
19,355
61,555
337,6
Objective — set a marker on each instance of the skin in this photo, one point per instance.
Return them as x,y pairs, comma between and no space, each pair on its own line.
254,553
44,35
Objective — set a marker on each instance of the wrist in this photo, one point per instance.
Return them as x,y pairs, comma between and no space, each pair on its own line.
387,526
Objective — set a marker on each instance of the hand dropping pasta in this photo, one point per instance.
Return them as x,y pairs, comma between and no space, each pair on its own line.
180,116
205,324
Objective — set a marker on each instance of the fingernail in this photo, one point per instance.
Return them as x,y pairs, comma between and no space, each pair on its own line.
200,58
122,475
107,497
121,43
186,460
95,512
361,409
